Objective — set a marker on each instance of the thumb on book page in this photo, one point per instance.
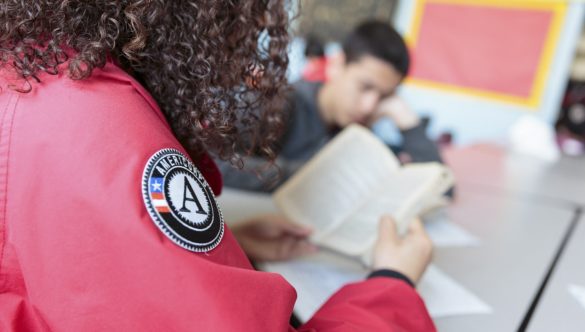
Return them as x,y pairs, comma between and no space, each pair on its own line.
387,230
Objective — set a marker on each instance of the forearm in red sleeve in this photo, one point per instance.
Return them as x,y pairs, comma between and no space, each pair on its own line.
376,304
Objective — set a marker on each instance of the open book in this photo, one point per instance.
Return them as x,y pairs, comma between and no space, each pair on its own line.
355,179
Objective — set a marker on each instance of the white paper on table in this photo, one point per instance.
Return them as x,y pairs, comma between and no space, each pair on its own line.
578,293
444,296
444,233
318,277
315,281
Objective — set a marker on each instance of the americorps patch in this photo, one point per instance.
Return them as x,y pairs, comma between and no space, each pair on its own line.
180,202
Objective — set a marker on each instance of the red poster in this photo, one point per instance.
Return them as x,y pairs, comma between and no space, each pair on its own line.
483,47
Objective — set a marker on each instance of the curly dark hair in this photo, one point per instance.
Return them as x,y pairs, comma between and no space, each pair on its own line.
216,68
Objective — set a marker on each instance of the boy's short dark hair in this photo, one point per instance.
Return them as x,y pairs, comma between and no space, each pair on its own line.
314,47
380,40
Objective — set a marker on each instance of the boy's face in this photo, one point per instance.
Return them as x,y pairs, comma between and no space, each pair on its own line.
359,88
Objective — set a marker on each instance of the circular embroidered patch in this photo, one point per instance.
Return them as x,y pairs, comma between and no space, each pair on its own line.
180,201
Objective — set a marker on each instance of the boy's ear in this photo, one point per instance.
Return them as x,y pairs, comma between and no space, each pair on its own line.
335,65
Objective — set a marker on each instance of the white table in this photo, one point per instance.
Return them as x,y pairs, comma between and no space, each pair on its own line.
519,240
558,310
492,168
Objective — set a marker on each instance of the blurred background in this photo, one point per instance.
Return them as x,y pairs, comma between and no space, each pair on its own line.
505,72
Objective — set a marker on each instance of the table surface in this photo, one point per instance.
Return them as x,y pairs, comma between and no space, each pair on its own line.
491,167
558,310
521,208
519,241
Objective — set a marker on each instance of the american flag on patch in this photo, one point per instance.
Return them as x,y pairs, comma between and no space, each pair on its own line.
156,195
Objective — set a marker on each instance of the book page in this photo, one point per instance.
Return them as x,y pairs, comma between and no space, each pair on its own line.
338,179
403,195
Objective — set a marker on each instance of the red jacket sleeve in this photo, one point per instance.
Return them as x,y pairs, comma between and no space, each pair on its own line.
80,252
376,304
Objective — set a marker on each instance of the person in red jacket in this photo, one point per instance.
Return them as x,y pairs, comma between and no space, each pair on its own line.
315,69
108,217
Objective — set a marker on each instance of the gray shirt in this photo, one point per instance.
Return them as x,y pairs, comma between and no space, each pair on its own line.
305,134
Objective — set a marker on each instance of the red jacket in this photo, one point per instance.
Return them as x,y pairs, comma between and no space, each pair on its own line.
85,246
315,70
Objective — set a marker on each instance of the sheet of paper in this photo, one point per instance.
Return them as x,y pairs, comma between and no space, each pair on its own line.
444,296
578,293
445,233
316,278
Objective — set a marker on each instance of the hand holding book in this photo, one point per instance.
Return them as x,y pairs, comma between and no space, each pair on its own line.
408,255
350,184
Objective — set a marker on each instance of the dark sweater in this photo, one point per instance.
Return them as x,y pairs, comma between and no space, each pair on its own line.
304,135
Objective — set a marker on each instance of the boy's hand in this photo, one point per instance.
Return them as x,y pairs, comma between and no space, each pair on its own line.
398,111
